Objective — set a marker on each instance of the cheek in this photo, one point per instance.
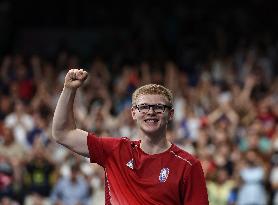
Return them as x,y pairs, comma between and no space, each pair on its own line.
136,116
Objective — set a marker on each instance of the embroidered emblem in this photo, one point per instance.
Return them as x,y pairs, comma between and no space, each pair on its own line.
130,164
164,173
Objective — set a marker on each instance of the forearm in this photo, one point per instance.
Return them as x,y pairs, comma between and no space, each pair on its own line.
63,120
214,116
233,117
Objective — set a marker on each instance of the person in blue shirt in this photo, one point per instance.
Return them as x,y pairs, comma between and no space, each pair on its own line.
71,190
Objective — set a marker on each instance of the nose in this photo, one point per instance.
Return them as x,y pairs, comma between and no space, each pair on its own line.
151,110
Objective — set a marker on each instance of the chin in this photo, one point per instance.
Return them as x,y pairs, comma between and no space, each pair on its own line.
150,131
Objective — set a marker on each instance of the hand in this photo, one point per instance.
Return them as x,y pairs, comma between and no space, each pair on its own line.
75,78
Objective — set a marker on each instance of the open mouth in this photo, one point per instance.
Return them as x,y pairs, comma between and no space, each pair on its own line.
151,120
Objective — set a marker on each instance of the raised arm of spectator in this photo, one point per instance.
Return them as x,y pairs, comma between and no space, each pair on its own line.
214,116
232,116
244,98
64,130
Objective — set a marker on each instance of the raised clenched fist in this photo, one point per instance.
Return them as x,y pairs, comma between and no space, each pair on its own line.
75,78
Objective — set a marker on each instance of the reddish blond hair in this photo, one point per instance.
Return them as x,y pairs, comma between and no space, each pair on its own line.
153,89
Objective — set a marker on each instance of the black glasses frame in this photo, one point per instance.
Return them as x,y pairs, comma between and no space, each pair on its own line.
153,106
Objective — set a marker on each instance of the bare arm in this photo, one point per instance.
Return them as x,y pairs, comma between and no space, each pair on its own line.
64,130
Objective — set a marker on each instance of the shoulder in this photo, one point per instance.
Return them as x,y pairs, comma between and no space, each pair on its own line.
63,181
184,156
92,137
128,143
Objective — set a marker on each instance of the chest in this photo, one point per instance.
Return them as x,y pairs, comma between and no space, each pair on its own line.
154,173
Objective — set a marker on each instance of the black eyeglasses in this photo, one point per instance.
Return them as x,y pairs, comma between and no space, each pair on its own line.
157,108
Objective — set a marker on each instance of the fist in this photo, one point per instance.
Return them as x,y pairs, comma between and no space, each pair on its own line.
75,78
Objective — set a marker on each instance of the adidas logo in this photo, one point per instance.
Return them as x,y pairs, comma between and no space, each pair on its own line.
130,164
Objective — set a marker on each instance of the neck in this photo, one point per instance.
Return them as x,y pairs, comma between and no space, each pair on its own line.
154,144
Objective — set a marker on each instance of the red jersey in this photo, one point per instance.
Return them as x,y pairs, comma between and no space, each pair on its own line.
133,177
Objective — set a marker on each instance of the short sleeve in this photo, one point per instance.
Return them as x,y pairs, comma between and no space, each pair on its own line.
100,148
195,186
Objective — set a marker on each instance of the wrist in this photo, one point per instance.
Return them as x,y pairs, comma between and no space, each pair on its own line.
69,89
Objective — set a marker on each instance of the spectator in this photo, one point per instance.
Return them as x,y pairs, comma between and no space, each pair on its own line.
273,177
21,122
71,190
40,129
219,189
252,190
7,191
10,148
38,174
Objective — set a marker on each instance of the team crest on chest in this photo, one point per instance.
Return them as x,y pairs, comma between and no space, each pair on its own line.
164,173
130,163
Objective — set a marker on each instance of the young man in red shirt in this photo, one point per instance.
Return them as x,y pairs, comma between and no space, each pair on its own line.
151,170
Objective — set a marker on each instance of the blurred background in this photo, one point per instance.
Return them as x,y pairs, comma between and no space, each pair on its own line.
219,59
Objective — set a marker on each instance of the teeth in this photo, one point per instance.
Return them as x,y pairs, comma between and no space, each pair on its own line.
151,120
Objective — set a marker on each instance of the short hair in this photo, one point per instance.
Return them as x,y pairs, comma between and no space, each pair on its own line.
153,89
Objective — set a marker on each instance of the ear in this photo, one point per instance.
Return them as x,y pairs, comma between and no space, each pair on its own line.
171,114
133,113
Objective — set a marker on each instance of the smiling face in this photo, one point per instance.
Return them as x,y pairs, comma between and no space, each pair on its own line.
152,121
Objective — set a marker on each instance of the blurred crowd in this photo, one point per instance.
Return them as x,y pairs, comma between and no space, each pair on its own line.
226,110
